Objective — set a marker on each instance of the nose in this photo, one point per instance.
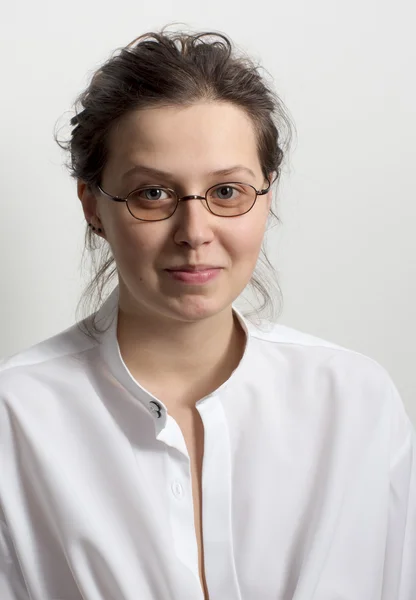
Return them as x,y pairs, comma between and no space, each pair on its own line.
193,225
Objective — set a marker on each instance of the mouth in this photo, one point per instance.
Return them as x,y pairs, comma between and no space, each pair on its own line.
194,275
193,268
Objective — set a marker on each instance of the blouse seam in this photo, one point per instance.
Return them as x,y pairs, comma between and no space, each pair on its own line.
45,360
320,345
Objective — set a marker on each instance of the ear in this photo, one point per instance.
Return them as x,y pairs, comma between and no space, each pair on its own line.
89,203
269,199
271,176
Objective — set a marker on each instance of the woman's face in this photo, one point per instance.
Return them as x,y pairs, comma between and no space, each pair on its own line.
187,144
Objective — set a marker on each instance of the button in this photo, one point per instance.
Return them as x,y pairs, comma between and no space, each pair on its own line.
177,489
155,409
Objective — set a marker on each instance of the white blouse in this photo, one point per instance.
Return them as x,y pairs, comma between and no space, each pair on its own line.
309,477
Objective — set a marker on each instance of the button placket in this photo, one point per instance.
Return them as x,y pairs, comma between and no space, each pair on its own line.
177,489
182,512
220,566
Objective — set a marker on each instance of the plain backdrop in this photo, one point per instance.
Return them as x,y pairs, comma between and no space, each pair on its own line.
345,251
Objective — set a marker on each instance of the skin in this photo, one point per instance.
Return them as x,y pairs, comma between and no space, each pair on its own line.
181,341
189,329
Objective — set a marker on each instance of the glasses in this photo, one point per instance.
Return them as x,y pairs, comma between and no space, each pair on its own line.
154,203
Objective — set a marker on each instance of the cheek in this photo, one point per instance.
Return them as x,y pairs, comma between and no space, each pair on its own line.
244,240
136,246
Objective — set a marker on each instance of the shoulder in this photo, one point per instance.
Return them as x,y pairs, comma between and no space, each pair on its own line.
308,350
318,368
45,355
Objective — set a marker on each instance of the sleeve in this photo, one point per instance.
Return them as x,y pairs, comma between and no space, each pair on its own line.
12,584
399,580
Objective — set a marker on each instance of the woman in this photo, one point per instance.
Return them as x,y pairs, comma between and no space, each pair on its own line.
166,447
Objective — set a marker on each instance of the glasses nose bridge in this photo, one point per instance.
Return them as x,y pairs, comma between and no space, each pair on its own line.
191,197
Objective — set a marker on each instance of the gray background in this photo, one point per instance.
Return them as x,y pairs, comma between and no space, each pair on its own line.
346,249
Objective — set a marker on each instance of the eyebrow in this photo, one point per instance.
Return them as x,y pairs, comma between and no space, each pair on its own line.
164,175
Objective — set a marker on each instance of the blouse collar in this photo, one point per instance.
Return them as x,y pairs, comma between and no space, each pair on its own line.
107,319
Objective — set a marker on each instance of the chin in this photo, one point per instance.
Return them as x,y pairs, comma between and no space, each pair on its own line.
195,308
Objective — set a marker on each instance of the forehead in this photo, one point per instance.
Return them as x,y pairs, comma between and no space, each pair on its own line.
203,136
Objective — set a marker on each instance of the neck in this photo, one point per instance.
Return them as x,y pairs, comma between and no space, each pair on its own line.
180,362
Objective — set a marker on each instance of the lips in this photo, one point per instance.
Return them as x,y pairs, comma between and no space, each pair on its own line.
193,268
194,275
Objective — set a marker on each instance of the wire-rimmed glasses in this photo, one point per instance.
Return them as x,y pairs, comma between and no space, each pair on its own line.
155,203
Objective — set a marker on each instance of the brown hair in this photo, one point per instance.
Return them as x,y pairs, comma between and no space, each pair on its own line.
166,69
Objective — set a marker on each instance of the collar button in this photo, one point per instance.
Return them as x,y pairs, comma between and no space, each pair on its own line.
155,409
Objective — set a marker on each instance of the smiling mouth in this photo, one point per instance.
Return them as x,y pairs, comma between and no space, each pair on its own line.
193,268
194,276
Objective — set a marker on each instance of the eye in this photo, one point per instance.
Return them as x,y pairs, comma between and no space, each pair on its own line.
153,194
224,192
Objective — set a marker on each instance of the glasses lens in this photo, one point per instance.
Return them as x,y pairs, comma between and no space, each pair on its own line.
152,203
231,199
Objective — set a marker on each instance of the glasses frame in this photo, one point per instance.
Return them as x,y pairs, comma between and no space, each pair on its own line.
188,197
